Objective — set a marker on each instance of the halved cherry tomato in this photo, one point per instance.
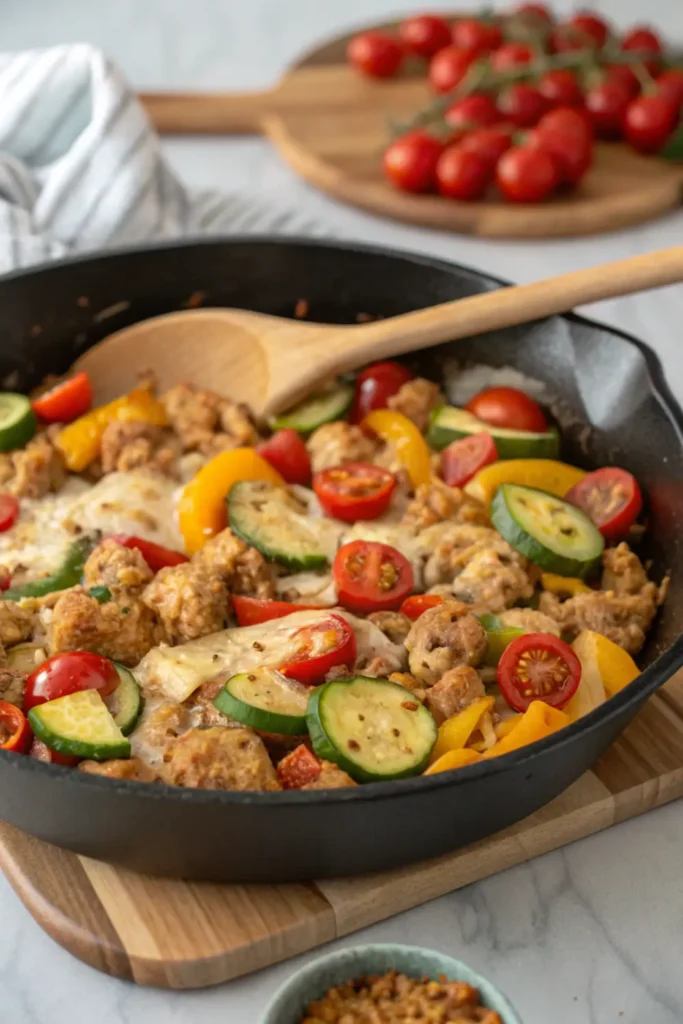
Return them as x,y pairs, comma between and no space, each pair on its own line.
509,408
42,752
66,401
9,510
416,604
287,453
68,673
538,666
321,647
462,459
354,490
300,767
375,386
371,577
156,556
610,497
15,732
250,611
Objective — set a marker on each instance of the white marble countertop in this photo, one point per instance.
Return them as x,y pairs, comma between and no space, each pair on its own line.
587,935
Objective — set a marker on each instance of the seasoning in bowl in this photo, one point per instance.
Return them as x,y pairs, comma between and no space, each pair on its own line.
395,998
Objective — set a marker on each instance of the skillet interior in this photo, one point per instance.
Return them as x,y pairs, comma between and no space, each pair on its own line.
594,375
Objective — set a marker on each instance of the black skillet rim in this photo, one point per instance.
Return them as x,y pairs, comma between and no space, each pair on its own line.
647,682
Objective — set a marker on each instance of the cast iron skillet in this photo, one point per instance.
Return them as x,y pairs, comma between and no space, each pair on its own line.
602,377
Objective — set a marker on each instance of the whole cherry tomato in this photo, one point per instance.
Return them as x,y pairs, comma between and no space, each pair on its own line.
66,401
522,104
611,498
478,35
537,12
642,39
9,511
670,86
354,491
425,34
287,453
560,88
68,673
626,77
465,457
511,55
568,136
371,577
490,143
410,162
463,174
449,66
538,666
474,111
375,54
508,408
648,122
526,175
583,31
606,105
375,386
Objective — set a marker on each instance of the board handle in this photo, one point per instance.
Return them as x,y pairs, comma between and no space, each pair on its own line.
208,113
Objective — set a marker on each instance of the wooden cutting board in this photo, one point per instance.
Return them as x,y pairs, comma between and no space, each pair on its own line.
193,934
330,125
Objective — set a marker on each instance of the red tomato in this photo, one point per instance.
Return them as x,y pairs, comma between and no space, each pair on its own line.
567,135
610,497
560,88
582,32
42,752
251,611
626,77
522,104
354,490
321,647
538,666
15,732
462,174
511,55
9,511
156,556
287,453
526,175
490,143
410,162
448,67
299,768
509,408
371,577
606,105
416,604
648,122
375,386
375,54
66,401
68,673
462,459
643,39
473,111
539,12
425,34
670,86
473,34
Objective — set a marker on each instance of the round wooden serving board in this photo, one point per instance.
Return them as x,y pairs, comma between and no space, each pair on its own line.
330,125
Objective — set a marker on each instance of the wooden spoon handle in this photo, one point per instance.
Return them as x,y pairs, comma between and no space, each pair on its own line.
508,306
208,113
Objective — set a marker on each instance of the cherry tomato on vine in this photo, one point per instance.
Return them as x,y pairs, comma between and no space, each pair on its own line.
526,175
449,66
375,54
462,174
538,666
476,110
643,39
560,88
648,122
538,12
375,386
568,136
511,55
410,162
425,34
490,143
465,457
626,77
611,498
508,408
606,105
474,34
522,104
582,32
670,86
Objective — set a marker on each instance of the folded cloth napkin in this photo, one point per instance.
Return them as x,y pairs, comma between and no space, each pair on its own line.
81,167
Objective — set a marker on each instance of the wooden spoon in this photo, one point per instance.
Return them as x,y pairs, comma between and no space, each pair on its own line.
270,362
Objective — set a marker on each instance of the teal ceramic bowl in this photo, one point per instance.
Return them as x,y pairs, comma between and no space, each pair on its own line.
290,1001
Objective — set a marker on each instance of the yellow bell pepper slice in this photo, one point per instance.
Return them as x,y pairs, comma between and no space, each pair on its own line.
79,442
538,721
605,670
545,474
616,666
453,759
202,511
563,584
456,731
411,448
503,729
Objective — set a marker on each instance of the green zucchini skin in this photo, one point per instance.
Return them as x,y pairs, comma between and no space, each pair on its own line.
68,574
129,700
555,551
285,539
448,423
105,740
317,410
233,701
18,421
498,637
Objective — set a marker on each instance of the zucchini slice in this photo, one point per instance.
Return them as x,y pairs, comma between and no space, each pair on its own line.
547,530
126,702
322,407
272,520
373,729
17,420
80,725
498,637
450,424
265,700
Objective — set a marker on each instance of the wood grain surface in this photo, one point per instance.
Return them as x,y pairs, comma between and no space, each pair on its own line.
331,125
183,935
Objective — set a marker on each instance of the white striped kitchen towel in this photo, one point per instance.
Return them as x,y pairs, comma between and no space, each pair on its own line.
81,167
